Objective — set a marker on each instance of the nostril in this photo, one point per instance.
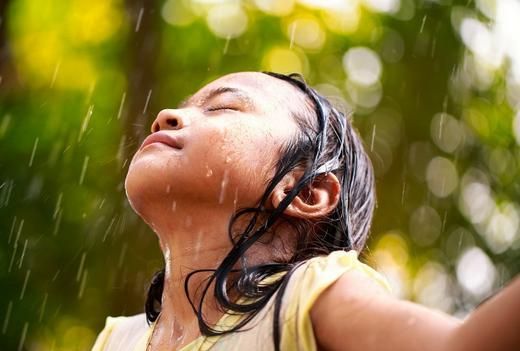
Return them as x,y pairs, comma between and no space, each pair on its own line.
172,122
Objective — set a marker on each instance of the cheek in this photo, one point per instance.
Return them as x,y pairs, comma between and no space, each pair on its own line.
241,161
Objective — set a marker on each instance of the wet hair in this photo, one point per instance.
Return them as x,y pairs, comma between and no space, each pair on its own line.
325,142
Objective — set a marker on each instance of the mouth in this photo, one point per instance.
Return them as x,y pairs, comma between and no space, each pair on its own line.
161,138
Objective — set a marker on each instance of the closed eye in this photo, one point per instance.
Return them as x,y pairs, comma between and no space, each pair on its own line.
221,108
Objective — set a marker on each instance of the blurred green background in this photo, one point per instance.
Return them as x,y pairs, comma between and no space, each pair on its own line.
435,86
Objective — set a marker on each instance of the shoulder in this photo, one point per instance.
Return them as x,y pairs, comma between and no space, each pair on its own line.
121,333
349,292
310,285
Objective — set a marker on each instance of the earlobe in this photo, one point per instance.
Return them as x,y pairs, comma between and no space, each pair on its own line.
315,201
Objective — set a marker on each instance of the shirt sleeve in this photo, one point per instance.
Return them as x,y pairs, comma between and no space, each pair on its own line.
103,337
306,285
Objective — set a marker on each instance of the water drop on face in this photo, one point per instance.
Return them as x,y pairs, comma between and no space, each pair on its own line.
228,159
168,188
209,172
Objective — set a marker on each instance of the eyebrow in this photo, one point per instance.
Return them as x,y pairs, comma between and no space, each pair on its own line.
240,94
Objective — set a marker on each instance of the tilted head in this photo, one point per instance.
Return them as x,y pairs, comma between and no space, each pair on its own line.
286,158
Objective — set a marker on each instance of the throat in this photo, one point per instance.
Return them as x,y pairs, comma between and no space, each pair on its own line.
169,334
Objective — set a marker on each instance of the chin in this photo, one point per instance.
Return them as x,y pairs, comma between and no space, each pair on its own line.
145,190
135,194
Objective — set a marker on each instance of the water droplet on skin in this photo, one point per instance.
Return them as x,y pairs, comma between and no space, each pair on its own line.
228,159
209,172
174,205
223,186
168,188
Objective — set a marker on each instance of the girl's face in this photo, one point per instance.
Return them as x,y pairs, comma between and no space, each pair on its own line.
224,141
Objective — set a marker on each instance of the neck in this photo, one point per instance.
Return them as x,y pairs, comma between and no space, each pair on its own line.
199,241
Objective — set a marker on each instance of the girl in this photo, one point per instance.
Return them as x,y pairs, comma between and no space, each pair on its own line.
262,196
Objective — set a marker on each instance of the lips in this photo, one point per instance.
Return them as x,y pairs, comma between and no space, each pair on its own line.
163,138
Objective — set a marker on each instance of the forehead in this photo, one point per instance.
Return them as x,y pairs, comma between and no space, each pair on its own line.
266,91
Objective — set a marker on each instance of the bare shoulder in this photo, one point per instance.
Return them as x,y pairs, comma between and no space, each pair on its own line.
351,288
357,313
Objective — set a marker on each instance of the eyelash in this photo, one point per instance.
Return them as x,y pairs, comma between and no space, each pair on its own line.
220,107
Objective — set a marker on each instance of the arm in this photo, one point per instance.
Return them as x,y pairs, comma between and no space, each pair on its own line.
356,314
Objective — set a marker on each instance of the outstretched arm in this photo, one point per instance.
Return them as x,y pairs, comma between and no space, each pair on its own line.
356,314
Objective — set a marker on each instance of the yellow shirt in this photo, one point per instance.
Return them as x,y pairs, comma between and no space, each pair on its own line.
305,286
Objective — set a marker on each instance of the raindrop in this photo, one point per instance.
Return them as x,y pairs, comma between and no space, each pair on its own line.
12,230
12,259
33,151
85,123
55,74
123,98
174,205
373,137
57,208
81,264
27,274
23,254
19,232
5,123
422,24
83,170
6,193
108,229
293,31
44,304
56,275
226,46
58,223
22,337
83,283
7,316
147,101
139,18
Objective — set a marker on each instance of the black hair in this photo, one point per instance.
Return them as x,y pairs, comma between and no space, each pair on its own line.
325,142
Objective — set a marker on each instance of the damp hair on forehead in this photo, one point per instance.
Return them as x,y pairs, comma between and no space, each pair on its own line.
324,142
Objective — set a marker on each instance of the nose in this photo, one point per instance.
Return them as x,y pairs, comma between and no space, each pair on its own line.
168,119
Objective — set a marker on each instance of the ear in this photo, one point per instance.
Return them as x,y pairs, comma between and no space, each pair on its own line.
314,201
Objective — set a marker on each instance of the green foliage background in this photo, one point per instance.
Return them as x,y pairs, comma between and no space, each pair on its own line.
81,81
